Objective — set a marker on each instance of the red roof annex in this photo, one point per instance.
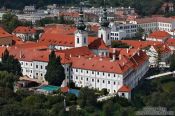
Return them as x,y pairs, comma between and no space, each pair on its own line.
124,88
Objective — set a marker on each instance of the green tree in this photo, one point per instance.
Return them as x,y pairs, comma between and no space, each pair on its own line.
87,97
139,33
10,64
7,79
55,71
119,44
172,63
10,22
108,108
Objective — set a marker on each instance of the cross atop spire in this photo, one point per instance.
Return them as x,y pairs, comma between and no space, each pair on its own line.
80,25
104,20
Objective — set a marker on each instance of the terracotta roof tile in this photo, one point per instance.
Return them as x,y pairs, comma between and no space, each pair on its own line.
124,88
24,30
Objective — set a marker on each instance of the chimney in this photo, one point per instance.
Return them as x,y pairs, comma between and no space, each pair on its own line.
79,56
127,50
138,53
113,50
120,57
113,57
101,59
70,55
20,54
90,58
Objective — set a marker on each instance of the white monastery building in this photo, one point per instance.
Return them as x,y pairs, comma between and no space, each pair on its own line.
88,61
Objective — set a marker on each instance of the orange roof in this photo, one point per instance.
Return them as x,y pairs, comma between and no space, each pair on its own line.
140,44
16,40
24,30
4,33
154,19
60,28
159,35
171,42
64,89
98,44
60,36
124,88
162,48
119,66
76,52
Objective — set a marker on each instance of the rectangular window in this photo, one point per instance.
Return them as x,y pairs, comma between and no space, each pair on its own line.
77,40
36,66
86,79
84,40
41,67
114,83
108,82
103,81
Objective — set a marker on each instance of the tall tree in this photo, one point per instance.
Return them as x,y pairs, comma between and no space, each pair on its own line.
10,64
55,74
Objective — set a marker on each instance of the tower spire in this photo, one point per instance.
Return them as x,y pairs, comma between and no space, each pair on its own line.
80,25
104,20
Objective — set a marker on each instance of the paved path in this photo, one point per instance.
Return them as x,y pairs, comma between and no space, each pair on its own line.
102,98
160,75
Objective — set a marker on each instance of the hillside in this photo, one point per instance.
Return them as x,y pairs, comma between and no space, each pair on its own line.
143,7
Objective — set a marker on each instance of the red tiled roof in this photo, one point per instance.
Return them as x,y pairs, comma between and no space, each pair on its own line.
98,44
171,42
159,35
140,44
119,66
64,89
124,88
154,19
24,30
61,40
76,52
162,48
4,33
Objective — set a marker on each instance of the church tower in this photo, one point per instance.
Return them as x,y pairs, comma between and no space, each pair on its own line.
104,32
81,35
